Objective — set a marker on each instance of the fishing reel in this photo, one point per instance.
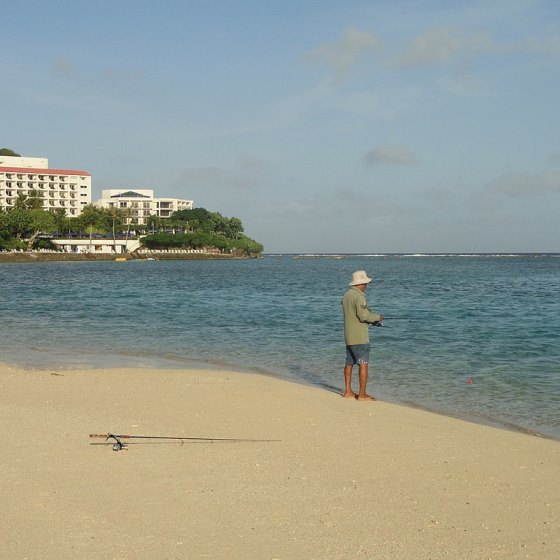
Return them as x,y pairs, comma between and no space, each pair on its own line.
118,445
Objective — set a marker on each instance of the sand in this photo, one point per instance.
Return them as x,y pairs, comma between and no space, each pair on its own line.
346,479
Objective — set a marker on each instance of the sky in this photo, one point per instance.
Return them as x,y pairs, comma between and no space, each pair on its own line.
355,126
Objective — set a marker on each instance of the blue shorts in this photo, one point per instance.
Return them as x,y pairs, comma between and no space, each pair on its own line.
357,354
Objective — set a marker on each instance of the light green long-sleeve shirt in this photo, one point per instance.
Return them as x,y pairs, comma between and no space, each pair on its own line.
357,316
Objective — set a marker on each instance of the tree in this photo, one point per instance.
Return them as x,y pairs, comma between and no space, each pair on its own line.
153,222
39,220
235,228
4,221
31,201
91,215
18,221
114,215
60,219
34,200
8,152
127,215
200,219
20,203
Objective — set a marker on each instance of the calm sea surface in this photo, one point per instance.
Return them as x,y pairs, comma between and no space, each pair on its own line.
491,319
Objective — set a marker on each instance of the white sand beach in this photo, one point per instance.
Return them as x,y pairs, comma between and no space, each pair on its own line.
345,479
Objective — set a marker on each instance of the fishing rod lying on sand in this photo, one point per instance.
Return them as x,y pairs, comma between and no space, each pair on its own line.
118,445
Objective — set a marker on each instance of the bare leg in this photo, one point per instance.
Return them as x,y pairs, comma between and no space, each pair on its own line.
363,375
348,393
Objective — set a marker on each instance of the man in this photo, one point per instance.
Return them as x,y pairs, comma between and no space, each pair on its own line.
357,317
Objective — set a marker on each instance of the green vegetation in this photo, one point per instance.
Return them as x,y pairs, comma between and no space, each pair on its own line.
200,228
242,245
8,152
27,226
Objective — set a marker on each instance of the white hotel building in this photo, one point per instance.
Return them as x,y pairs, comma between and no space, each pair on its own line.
140,204
68,189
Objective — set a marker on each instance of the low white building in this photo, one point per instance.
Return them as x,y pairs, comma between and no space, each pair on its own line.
68,189
141,204
97,245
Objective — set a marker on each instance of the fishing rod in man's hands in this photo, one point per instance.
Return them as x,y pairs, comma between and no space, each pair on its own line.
380,323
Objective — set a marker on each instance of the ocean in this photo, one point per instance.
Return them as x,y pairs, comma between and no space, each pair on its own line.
473,336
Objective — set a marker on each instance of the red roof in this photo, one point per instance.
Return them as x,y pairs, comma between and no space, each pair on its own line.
43,171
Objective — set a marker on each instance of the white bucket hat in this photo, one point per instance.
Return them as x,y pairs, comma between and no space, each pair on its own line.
360,277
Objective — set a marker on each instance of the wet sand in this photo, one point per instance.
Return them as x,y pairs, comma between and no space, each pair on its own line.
344,479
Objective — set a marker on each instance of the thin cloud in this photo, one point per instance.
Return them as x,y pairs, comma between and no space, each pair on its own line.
390,155
554,158
247,173
344,54
527,184
443,45
446,45
62,67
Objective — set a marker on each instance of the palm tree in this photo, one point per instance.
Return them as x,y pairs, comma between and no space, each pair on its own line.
60,219
34,200
153,222
90,216
114,215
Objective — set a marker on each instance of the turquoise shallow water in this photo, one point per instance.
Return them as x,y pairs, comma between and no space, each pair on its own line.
492,318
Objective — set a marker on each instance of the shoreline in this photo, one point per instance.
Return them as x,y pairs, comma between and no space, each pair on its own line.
169,363
342,480
38,256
